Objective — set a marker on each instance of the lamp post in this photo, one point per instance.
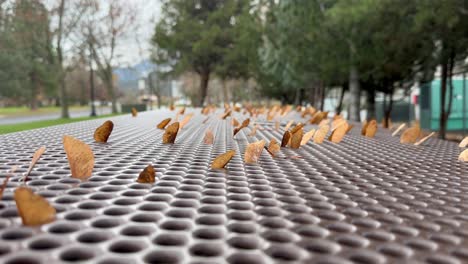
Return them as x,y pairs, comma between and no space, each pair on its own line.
91,81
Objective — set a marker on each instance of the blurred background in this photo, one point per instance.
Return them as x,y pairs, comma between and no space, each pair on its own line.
392,60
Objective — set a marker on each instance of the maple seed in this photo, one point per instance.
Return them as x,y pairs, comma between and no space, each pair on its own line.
286,138
148,175
371,129
209,137
410,135
338,134
4,185
463,143
163,123
37,155
253,151
171,133
225,115
321,133
134,112
464,155
422,140
297,138
34,209
103,132
273,147
80,157
223,159
185,120
307,136
398,129
245,123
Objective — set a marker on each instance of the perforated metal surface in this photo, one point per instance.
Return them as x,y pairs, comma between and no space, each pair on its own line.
363,200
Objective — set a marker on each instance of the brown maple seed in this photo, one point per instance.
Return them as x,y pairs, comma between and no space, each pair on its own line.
33,209
286,137
80,157
102,133
148,175
171,133
163,123
223,159
134,112
297,138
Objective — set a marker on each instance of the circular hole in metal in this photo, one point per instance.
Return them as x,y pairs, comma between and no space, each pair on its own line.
206,250
93,237
106,223
126,201
163,256
44,244
16,234
78,216
23,260
243,228
77,254
208,233
117,211
137,231
285,253
278,236
153,207
176,225
63,228
146,218
244,242
241,215
245,258
181,213
170,239
126,247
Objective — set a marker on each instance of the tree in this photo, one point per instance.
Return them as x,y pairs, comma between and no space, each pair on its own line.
24,59
446,29
65,31
106,28
195,36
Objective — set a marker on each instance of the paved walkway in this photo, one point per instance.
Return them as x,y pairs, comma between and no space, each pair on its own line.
49,116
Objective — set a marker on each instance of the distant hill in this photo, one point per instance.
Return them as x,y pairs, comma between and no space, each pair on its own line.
128,76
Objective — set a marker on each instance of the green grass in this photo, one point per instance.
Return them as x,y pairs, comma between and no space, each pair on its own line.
4,129
23,110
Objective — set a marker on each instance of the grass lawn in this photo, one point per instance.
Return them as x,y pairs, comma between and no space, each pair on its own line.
4,129
23,110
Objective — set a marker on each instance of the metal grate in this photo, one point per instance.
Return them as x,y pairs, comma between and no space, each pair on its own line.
360,201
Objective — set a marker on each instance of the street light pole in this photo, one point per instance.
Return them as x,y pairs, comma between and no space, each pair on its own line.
91,81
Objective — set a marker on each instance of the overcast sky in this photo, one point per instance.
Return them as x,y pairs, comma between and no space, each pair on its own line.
137,47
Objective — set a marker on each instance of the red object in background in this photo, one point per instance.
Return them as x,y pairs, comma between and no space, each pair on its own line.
415,99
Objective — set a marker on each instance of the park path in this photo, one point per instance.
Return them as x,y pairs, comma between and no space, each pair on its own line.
48,116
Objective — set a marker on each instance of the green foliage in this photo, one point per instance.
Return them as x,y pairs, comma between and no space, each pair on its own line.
207,37
25,52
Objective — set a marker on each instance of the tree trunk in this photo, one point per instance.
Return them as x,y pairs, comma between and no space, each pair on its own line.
450,86
443,95
34,90
388,106
312,96
339,108
225,91
204,79
297,96
370,103
111,90
322,96
355,95
63,97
